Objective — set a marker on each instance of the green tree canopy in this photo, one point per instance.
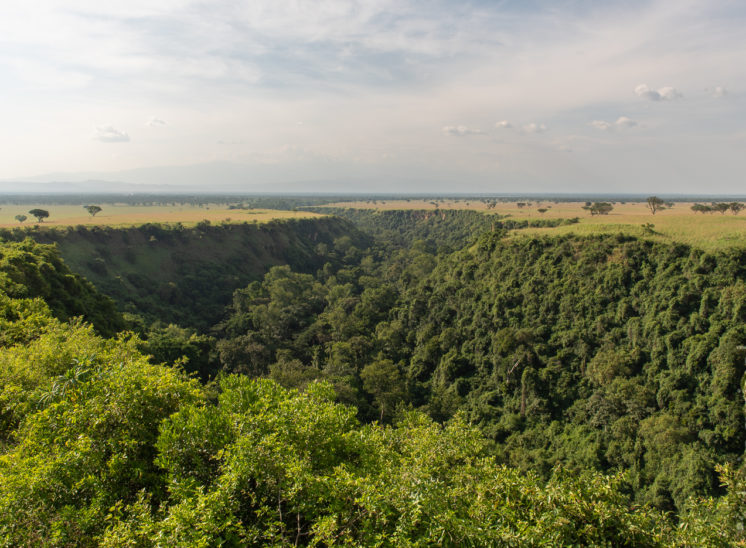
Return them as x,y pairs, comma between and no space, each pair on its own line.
599,208
92,209
655,204
40,214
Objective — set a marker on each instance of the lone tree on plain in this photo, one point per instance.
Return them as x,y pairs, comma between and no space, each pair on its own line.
40,214
20,218
655,203
92,209
599,208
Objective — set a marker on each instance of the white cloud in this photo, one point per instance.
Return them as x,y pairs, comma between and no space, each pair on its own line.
367,77
155,122
109,134
602,125
534,128
460,131
621,123
624,121
667,93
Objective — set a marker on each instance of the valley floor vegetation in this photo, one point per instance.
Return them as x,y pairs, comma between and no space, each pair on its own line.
381,378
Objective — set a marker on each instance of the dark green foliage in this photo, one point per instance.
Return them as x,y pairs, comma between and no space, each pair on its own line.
172,344
186,275
597,353
134,455
572,354
31,270
599,208
642,372
40,214
445,230
585,317
92,209
510,224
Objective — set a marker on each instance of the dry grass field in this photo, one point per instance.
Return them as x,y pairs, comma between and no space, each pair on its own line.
709,231
127,215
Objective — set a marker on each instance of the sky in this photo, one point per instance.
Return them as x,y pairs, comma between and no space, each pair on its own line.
364,96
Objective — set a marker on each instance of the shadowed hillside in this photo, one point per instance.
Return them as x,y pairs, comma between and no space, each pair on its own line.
187,275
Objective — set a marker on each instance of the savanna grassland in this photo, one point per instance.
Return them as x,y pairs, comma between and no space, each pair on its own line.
708,231
123,215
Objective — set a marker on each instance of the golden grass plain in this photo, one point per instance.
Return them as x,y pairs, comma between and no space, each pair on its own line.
708,231
122,215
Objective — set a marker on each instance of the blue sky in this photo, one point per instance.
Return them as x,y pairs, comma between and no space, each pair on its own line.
508,96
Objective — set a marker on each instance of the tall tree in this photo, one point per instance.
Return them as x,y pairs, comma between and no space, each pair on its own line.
655,204
40,214
92,209
383,380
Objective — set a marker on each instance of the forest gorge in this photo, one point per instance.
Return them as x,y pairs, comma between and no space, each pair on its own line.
372,378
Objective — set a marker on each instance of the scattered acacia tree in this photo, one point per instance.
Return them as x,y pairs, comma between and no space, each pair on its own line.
655,204
20,218
602,208
736,207
598,208
92,209
720,207
40,214
701,208
542,210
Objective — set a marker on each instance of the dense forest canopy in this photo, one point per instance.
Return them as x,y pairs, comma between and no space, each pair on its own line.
436,384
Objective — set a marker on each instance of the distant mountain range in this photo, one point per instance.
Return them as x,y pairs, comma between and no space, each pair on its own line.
311,178
307,177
